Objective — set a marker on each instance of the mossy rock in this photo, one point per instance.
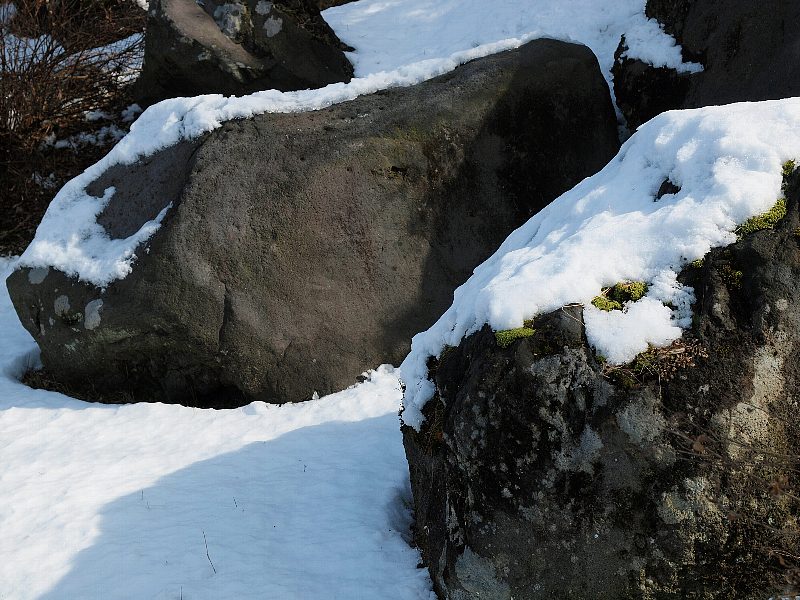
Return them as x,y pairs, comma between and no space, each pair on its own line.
603,303
508,336
766,220
615,297
697,264
732,277
788,169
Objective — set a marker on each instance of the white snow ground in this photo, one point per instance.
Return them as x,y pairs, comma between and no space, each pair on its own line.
301,502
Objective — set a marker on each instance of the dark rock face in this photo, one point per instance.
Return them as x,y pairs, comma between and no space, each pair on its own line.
303,249
238,47
750,51
670,13
643,91
539,474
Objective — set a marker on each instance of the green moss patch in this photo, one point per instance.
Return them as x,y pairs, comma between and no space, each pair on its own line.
788,169
766,220
506,337
604,303
769,219
614,297
732,277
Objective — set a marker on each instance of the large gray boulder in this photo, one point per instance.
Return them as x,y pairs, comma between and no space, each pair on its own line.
303,249
237,47
539,473
750,51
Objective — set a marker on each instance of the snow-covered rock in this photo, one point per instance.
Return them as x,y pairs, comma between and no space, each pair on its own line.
194,48
540,472
400,43
725,163
299,250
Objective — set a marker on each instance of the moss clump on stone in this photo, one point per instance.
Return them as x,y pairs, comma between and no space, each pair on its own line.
614,297
506,337
732,277
603,303
697,264
766,220
629,290
788,169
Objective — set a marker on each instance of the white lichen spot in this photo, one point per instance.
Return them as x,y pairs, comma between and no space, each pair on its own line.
92,314
204,55
272,26
674,509
718,311
229,18
703,389
263,7
749,423
37,275
478,576
677,507
580,456
61,305
781,304
642,421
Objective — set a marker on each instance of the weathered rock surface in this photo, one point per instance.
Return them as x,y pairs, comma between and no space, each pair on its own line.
643,91
303,249
750,51
238,47
539,474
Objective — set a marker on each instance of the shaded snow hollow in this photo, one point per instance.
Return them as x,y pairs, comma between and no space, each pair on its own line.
610,228
399,42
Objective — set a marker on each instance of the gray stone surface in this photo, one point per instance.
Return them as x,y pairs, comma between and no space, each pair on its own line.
237,47
539,474
303,249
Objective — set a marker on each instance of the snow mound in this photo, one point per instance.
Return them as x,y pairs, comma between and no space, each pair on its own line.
400,43
610,228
